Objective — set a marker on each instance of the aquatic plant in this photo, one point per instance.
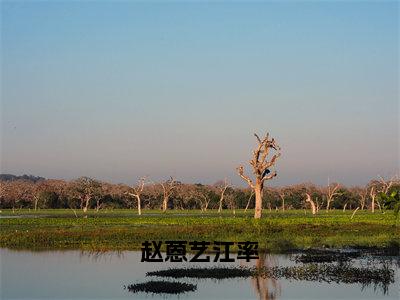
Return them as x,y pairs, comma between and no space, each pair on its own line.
161,287
326,255
210,273
340,273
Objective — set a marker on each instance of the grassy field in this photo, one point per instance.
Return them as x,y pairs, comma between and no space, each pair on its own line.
277,231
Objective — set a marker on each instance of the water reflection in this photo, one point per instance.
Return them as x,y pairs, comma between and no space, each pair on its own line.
267,288
98,255
100,274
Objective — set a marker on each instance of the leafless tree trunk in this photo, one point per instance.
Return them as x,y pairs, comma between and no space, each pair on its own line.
74,211
168,187
261,166
282,196
86,201
137,191
222,188
363,197
36,198
230,199
354,212
205,202
372,194
379,204
98,205
344,207
317,205
313,208
201,196
248,202
386,185
330,193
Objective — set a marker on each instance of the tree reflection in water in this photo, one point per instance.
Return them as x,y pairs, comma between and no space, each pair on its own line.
98,255
267,288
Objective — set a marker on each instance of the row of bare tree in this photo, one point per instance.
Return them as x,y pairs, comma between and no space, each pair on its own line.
87,193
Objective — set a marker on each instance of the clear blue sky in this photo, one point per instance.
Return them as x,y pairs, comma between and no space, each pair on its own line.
117,90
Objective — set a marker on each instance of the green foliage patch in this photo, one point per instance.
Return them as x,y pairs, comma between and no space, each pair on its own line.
125,230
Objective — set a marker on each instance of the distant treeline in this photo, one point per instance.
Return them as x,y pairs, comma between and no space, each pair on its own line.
34,192
10,177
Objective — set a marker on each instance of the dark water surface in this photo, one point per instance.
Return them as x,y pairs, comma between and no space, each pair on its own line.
84,275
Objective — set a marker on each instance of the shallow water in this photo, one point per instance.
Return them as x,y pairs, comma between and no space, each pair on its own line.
83,275
22,216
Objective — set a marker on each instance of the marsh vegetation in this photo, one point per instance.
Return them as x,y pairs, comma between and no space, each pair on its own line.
277,231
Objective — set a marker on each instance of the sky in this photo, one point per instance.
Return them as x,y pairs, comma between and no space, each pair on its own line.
120,89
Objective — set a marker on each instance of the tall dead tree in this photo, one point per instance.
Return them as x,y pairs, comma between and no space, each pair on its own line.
261,169
137,192
168,187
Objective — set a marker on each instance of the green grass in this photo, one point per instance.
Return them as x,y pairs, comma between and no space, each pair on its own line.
125,230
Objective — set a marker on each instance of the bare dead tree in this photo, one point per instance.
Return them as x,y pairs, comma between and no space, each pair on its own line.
282,194
363,198
99,205
137,192
313,207
222,187
317,205
185,196
202,195
36,196
261,169
168,187
86,189
331,192
387,184
362,193
231,202
379,186
204,201
372,194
